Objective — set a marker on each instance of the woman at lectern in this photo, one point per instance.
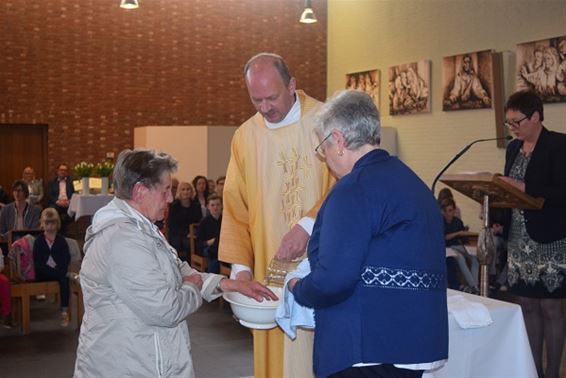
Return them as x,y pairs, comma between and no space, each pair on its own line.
535,163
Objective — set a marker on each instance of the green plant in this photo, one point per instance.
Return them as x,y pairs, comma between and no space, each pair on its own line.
83,169
105,168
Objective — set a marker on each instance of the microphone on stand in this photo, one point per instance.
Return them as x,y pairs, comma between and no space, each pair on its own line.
459,154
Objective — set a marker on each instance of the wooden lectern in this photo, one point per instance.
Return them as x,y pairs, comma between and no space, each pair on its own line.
490,191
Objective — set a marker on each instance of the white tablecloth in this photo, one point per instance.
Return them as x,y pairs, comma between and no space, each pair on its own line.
499,350
82,205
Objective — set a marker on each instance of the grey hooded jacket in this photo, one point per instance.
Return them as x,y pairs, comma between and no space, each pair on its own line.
135,300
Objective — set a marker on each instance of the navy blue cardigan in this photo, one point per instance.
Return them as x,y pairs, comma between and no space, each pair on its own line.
378,279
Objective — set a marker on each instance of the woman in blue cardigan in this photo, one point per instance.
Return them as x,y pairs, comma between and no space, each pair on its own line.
377,256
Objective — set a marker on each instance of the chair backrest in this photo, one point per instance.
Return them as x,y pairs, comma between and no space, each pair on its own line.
197,261
21,263
76,255
21,259
15,235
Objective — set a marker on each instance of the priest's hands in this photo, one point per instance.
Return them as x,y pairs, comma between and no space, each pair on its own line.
244,275
252,289
293,244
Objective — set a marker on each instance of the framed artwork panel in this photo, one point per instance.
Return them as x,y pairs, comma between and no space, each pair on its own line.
541,67
467,81
409,88
366,81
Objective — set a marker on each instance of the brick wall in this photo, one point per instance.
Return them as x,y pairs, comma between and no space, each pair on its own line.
93,71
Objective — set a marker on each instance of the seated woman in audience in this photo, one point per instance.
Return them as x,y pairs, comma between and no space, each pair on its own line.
19,215
208,237
35,186
51,258
200,183
454,237
182,212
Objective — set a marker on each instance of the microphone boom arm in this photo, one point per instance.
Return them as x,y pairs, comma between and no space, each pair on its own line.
459,154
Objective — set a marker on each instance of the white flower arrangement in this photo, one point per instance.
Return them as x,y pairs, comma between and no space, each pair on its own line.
83,169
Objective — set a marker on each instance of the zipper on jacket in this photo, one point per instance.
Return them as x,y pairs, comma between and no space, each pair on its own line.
158,357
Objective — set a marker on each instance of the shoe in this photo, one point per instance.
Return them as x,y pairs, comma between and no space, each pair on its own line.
64,319
40,297
503,288
7,321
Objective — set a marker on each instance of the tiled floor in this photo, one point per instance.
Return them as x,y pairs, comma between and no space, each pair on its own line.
220,347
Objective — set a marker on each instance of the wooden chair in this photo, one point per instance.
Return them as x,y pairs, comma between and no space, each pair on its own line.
21,291
197,261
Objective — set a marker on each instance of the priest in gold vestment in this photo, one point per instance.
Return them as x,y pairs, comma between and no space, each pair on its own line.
273,188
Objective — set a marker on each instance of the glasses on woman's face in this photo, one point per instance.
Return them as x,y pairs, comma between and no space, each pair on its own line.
318,149
512,124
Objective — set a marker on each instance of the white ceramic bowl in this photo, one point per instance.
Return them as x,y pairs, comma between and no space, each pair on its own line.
254,314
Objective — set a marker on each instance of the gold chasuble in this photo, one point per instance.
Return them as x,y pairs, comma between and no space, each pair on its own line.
274,179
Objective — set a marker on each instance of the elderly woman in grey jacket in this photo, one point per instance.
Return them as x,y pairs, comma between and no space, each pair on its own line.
137,292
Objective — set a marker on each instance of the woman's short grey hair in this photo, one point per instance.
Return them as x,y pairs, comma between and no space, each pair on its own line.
140,165
354,114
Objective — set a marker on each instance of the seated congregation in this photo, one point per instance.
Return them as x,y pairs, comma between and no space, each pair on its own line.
39,262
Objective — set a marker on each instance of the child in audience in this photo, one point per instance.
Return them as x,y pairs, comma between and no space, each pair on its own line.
498,265
51,258
208,237
454,232
445,193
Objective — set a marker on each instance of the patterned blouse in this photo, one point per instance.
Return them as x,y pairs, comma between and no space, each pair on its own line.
529,261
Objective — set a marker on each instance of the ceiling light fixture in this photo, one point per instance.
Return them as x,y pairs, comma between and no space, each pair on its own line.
308,16
129,4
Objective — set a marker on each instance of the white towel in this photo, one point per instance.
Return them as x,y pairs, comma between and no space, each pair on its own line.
468,314
290,314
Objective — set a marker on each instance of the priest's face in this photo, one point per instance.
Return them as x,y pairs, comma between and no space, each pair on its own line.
268,93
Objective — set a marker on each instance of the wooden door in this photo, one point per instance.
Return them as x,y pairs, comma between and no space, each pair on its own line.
22,145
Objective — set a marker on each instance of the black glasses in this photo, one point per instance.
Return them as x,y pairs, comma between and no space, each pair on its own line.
515,124
317,149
